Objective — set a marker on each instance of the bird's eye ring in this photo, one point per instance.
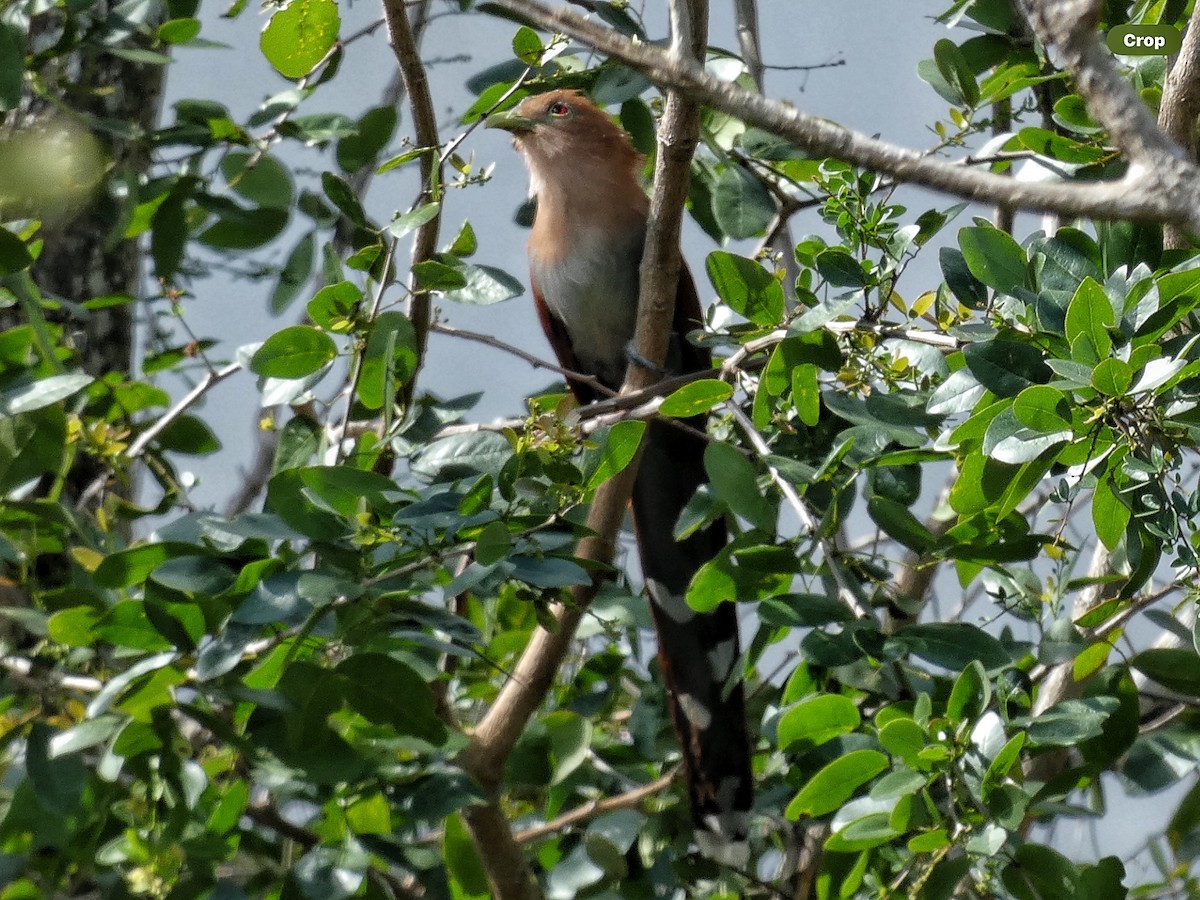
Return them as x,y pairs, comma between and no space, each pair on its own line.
558,108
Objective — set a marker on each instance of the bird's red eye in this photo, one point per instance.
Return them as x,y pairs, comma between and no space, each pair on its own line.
558,108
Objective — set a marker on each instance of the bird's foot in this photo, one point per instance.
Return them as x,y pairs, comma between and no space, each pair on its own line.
632,354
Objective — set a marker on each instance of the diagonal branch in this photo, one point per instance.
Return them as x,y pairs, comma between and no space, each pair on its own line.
1160,186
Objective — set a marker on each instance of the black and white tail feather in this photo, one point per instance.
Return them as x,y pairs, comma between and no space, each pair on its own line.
697,651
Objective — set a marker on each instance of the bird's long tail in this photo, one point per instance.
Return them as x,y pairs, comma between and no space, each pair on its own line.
697,651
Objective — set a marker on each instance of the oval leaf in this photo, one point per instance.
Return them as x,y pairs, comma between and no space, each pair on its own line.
294,352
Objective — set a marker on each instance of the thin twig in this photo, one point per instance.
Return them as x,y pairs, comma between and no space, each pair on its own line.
595,808
536,361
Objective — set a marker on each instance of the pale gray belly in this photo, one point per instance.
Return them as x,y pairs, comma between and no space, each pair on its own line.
594,294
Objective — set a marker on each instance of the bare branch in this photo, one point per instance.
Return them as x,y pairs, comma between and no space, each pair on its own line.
536,361
595,808
416,83
1160,187
1180,108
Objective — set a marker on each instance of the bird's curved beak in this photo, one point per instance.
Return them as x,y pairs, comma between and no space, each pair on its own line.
510,121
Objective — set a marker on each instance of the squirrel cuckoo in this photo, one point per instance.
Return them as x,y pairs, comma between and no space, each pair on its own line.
584,252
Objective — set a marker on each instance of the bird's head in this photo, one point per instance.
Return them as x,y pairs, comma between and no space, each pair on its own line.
565,137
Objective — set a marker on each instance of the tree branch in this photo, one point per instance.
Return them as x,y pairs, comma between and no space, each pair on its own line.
1160,186
1180,108
596,808
533,676
416,83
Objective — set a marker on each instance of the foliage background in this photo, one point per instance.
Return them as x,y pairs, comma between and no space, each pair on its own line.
259,708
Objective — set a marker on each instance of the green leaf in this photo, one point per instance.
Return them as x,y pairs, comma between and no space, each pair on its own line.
806,394
803,610
970,695
434,275
620,447
387,692
930,842
900,524
1112,377
390,359
1071,111
952,645
14,254
275,599
294,352
371,135
339,191
300,35
169,232
955,69
993,257
836,783
966,288
190,435
837,266
370,815
59,781
1039,873
243,229
463,455
904,738
31,445
1043,409
548,571
263,180
345,489
132,566
1063,149
1069,722
178,31
1006,367
1090,314
714,584
742,205
735,481
1175,668
570,739
465,242
12,73
957,394
1110,515
295,273
1002,764
748,288
1026,446
410,221
334,306
467,875
88,733
527,46
493,544
481,285
817,719
696,398
30,396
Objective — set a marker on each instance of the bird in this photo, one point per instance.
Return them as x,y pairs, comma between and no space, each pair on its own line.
585,249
